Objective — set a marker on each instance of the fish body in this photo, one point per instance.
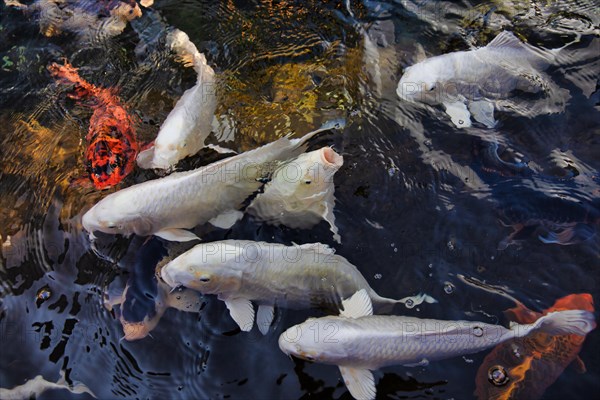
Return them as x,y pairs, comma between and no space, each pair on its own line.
359,342
241,272
112,145
167,206
470,82
530,364
183,133
301,192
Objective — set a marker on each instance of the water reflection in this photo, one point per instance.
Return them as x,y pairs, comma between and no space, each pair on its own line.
419,201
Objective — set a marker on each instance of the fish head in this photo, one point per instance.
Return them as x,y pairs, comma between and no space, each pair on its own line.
128,10
116,214
423,82
196,271
309,175
315,340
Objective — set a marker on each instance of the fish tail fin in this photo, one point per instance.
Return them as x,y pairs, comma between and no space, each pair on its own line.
188,54
578,322
580,301
76,388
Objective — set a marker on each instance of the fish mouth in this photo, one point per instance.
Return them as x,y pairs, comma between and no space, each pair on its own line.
166,277
330,158
283,345
88,221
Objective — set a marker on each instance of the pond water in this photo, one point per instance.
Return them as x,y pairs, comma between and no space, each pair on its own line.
422,206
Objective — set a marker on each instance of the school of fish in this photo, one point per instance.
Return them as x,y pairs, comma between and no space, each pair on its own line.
279,183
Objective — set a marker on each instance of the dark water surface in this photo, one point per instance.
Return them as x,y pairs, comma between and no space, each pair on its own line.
419,202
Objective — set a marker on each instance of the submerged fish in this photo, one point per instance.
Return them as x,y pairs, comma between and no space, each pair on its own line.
522,368
88,19
38,385
301,192
183,133
112,145
214,193
473,82
241,271
555,219
145,298
359,342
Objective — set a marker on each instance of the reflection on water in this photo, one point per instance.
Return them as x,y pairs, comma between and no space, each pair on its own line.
418,201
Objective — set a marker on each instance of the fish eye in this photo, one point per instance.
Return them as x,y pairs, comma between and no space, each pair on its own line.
308,182
432,88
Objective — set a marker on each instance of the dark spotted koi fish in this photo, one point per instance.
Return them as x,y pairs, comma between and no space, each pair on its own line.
522,368
112,146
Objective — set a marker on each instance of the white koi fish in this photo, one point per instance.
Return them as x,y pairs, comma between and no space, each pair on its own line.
359,342
301,192
165,207
241,271
38,385
183,133
473,82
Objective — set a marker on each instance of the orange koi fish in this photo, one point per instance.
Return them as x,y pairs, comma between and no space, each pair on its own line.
112,146
523,368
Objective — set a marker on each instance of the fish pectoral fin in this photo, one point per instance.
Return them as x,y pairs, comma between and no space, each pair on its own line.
459,114
227,219
360,382
242,312
359,305
579,365
423,363
176,235
483,112
145,158
264,317
330,217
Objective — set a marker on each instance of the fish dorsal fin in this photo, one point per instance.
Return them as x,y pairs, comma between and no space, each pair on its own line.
360,382
505,39
318,248
359,305
242,312
264,317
